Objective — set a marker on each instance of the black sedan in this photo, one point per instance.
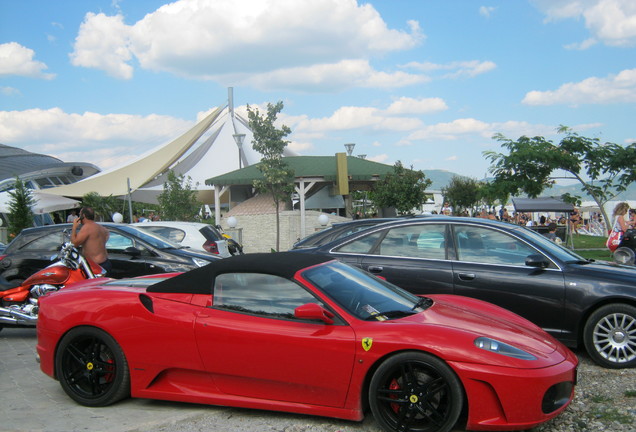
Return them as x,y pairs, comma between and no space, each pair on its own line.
133,252
338,230
576,300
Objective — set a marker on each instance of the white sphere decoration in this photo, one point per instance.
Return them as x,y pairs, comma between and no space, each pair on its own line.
118,217
232,222
1,221
323,219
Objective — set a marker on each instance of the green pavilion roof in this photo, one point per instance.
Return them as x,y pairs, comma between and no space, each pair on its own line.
310,167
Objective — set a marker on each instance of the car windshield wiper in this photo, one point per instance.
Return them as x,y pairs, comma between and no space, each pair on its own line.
389,314
424,303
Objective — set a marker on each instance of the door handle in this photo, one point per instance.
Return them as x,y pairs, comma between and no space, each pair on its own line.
466,276
375,269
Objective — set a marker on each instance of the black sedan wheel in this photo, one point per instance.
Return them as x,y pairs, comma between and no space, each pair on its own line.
415,392
610,336
92,368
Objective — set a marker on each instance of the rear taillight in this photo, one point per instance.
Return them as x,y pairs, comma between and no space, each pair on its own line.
211,247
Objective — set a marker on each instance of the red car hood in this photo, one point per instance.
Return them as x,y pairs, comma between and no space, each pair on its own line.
485,319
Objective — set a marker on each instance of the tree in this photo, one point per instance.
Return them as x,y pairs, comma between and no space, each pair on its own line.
462,193
104,207
603,169
404,189
20,212
178,201
278,177
490,193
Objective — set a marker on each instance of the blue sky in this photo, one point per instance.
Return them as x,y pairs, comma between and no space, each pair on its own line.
421,81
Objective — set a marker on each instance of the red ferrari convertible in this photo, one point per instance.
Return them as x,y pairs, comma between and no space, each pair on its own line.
304,334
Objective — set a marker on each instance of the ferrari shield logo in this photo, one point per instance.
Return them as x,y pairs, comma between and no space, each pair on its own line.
366,343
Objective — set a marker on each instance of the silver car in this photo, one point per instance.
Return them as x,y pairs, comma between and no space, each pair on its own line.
194,235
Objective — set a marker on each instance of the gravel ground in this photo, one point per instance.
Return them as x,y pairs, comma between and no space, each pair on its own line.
605,401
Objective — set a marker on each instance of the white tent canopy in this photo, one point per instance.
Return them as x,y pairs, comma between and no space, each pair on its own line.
116,181
217,154
44,202
207,150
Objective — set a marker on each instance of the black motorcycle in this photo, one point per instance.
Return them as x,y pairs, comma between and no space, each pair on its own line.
626,251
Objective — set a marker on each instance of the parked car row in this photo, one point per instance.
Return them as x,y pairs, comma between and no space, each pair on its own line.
133,252
578,301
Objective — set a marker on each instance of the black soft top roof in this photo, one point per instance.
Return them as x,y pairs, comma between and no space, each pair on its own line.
201,280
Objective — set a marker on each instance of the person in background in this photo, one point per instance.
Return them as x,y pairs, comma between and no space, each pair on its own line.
92,238
71,217
505,216
620,222
447,209
551,235
575,221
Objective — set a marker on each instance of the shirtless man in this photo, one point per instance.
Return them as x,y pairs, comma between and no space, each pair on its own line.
92,237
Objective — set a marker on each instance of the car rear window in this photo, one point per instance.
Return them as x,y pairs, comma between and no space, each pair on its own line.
210,233
48,242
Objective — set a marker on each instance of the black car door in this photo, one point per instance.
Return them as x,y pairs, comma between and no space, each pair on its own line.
129,257
410,256
490,266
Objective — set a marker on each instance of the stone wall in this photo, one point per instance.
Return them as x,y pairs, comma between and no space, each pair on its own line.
257,233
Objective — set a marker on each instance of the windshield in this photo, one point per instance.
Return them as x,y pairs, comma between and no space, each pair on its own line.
155,241
554,249
362,294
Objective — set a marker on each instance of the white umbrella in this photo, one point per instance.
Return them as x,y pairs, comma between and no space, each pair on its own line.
44,202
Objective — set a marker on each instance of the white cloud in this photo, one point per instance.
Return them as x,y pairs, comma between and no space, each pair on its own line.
9,91
259,41
351,117
406,105
620,88
300,147
325,77
103,43
470,68
486,11
581,46
611,21
16,59
382,158
109,139
466,127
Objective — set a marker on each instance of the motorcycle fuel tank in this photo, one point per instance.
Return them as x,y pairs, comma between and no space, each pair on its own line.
54,275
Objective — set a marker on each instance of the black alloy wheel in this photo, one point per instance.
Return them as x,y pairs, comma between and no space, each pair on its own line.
415,392
610,336
92,368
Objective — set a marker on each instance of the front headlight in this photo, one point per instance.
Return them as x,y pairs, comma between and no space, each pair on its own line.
200,262
495,346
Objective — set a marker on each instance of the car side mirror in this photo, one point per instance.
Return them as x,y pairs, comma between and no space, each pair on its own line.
315,312
537,260
132,251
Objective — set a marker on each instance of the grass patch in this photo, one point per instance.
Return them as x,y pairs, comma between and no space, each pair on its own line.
630,393
592,247
598,255
588,242
610,415
600,399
